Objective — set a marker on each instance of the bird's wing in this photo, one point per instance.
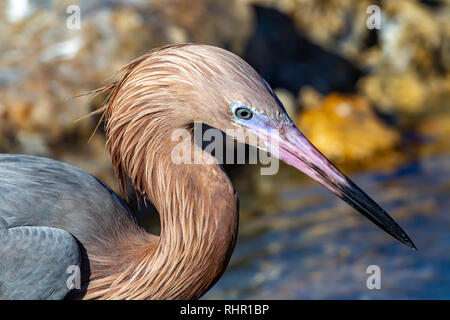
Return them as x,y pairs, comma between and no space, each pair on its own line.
37,262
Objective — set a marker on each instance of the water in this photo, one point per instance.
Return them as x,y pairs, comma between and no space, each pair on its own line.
316,247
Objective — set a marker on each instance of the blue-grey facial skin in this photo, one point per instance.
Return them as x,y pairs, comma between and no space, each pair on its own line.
258,123
259,120
267,130
266,127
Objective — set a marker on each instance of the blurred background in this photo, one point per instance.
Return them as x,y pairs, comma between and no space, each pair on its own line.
374,101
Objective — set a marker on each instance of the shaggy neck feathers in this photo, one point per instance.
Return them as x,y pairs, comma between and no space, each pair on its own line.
196,202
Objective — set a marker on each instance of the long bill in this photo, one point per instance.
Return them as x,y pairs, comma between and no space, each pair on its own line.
296,150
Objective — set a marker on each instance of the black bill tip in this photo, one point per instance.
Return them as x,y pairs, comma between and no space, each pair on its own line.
360,201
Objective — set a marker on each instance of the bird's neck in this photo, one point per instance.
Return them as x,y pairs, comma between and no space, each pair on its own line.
199,222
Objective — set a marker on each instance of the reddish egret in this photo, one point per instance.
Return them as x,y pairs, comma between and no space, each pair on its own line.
55,218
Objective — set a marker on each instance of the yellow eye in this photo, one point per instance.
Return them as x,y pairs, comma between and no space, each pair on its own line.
243,113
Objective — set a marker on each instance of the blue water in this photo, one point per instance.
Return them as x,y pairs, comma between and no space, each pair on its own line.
319,248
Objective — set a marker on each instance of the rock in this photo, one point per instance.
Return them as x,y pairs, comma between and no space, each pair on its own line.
402,93
408,73
308,97
410,36
345,128
32,143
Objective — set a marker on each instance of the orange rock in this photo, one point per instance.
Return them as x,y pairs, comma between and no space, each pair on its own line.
344,127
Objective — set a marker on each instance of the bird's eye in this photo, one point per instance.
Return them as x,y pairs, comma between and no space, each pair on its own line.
243,113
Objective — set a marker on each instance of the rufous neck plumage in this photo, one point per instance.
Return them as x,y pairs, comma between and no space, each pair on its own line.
199,222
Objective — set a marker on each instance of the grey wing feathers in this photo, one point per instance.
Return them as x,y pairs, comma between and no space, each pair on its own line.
37,262
46,205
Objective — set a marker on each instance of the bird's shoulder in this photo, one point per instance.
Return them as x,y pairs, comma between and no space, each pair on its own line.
37,191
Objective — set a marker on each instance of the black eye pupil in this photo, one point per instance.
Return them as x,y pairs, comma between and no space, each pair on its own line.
243,113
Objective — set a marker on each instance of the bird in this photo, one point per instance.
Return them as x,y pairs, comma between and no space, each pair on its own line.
58,221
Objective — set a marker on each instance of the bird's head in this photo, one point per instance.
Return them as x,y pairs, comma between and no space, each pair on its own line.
199,83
